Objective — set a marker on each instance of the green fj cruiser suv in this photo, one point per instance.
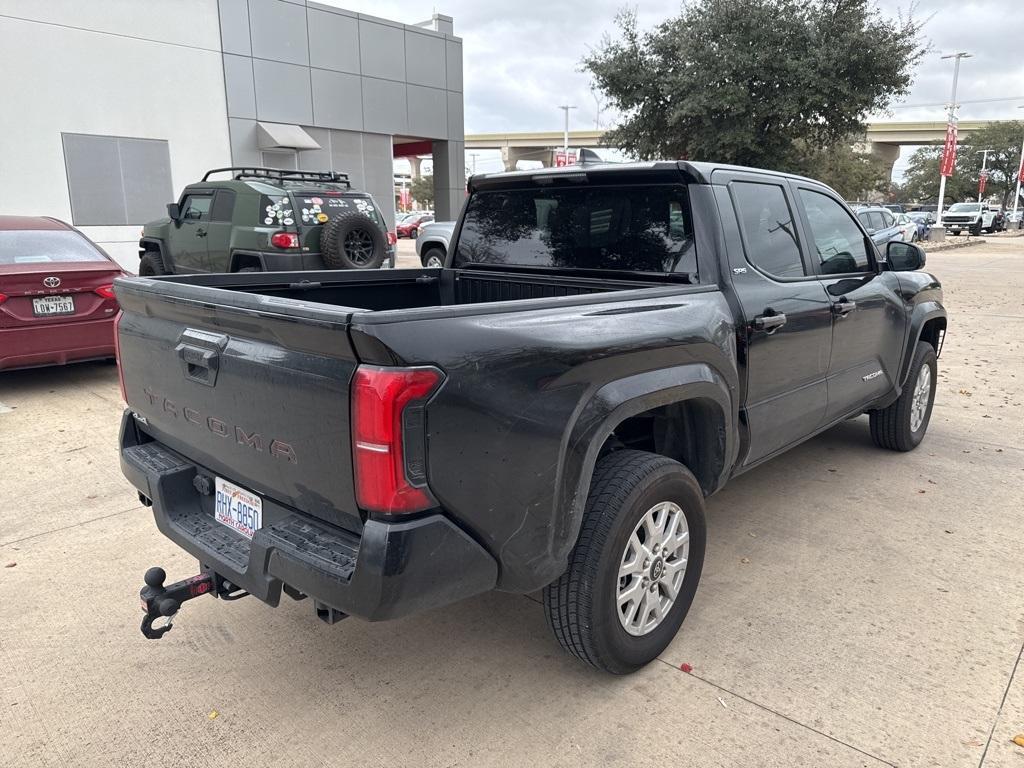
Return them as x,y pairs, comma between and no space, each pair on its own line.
265,219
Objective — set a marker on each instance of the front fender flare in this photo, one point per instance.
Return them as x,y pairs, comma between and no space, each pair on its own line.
922,314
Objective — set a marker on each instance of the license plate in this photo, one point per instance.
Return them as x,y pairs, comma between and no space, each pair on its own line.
53,305
237,508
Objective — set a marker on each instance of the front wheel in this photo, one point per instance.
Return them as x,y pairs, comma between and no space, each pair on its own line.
151,265
636,565
433,258
902,425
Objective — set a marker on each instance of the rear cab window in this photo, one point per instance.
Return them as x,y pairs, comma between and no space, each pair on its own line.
641,228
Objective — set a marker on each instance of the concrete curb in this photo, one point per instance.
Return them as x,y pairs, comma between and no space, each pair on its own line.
949,246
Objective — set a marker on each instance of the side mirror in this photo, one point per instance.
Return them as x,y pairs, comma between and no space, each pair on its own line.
173,211
904,257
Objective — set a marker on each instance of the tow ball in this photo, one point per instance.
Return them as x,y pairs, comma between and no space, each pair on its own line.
163,602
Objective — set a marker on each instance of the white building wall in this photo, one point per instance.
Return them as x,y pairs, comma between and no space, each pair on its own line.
132,68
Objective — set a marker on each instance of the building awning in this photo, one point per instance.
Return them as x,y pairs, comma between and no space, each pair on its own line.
283,136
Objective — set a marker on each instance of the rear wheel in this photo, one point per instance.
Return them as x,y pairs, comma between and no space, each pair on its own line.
636,565
902,425
151,265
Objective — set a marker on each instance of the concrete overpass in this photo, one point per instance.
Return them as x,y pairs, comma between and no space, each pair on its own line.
883,139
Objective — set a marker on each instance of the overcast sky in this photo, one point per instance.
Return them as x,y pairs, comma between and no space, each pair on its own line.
521,58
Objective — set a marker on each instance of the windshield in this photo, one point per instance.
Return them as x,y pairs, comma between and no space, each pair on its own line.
42,246
965,207
634,228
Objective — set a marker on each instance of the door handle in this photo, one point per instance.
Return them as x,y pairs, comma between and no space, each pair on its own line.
843,307
200,233
770,321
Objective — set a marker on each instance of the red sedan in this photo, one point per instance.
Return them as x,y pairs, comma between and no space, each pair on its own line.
410,226
56,300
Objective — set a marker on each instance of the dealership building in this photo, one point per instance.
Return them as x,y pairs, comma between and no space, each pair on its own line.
111,108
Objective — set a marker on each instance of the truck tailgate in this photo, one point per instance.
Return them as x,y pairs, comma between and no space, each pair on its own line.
254,388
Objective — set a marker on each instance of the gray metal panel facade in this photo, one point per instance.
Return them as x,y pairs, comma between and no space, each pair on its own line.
333,41
356,76
239,86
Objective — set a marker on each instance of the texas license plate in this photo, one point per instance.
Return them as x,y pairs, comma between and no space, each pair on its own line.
237,508
53,305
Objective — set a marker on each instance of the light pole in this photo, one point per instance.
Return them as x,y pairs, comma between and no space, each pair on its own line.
565,137
1016,195
952,123
984,163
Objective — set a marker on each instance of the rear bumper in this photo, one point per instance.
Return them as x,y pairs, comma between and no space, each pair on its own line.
56,344
386,571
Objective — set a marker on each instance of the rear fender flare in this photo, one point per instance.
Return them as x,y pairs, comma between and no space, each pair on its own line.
610,406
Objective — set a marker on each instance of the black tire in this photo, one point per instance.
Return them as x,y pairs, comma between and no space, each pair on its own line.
352,241
151,265
432,252
581,606
976,229
891,426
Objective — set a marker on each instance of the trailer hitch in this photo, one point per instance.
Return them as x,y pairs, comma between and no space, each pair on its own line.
163,602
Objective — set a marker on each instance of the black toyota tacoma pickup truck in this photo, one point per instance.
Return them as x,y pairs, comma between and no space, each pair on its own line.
604,347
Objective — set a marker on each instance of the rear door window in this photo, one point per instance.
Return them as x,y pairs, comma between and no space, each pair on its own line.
769,232
223,205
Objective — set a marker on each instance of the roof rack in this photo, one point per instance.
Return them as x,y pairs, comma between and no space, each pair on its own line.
282,174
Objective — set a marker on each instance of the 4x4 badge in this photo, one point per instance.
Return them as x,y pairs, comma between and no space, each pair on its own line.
51,282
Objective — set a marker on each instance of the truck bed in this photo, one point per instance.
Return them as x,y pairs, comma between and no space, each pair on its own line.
412,288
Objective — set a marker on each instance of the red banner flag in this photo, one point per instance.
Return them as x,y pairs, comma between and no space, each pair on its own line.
981,183
949,151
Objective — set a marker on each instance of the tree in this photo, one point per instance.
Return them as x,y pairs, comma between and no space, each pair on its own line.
753,82
422,190
853,174
1003,138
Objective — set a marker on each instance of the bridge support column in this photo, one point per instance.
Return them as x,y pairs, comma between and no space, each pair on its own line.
414,165
888,153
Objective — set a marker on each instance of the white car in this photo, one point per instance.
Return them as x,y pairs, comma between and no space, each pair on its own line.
908,226
971,217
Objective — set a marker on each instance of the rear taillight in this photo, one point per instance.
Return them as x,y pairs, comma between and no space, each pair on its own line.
392,238
284,240
3,298
104,291
389,438
117,354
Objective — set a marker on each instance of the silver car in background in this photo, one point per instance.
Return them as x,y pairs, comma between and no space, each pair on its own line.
432,243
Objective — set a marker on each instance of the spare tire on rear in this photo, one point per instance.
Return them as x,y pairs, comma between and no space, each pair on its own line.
352,240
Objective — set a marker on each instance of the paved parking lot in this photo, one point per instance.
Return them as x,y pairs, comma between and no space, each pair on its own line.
858,608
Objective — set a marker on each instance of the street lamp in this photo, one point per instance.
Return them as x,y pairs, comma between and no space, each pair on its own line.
1016,195
951,126
565,138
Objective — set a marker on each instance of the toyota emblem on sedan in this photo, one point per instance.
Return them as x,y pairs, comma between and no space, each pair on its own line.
51,282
